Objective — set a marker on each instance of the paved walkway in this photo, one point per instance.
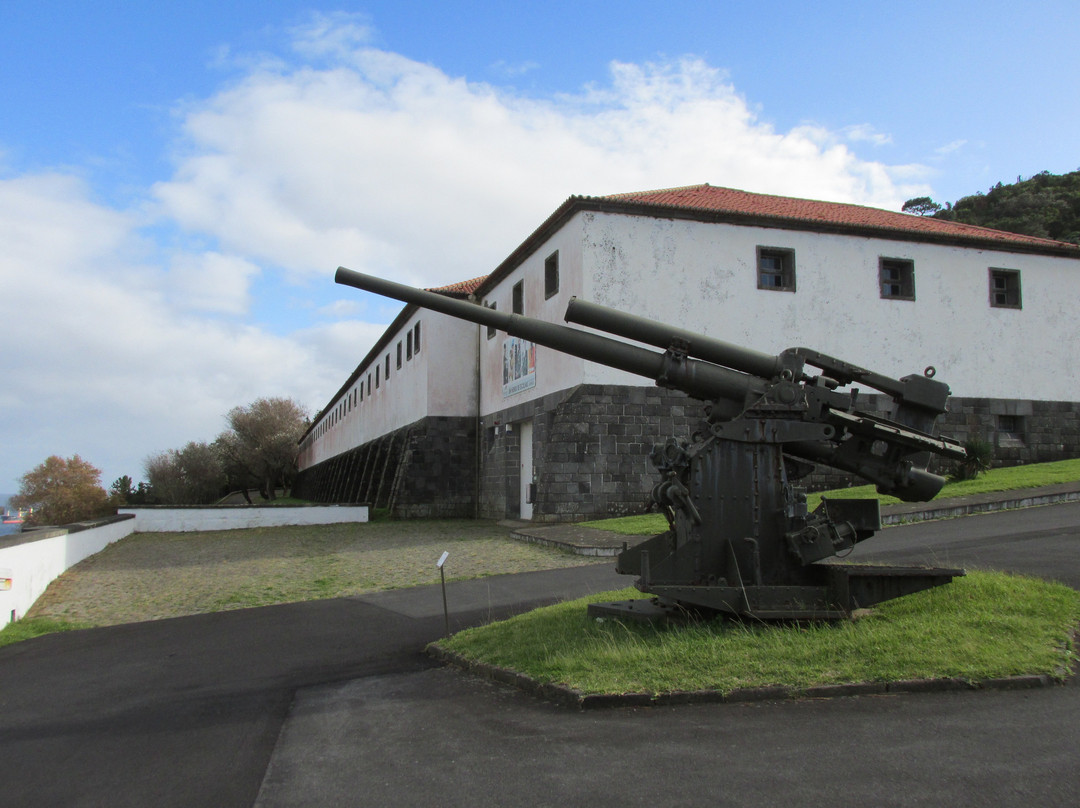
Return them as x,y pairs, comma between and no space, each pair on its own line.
333,703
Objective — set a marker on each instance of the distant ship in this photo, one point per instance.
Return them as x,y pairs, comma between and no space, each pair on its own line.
14,518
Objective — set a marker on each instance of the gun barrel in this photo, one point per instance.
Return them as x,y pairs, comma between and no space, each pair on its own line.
702,380
655,333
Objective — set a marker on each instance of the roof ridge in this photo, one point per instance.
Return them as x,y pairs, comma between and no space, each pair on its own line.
800,209
460,287
658,191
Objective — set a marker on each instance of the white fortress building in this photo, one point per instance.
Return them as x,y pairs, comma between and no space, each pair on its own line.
447,418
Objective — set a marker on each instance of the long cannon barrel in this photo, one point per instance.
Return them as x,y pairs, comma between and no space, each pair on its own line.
651,332
699,379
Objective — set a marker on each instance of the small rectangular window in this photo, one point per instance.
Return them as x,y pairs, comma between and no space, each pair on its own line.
408,346
388,367
1013,424
490,328
369,384
377,369
416,338
399,355
776,269
1005,288
551,275
896,278
518,306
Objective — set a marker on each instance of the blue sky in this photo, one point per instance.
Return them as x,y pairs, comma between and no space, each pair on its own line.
178,181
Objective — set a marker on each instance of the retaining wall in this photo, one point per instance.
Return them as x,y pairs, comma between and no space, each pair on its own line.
30,561
166,519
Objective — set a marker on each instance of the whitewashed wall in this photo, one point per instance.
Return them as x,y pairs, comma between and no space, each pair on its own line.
554,370
703,277
182,520
31,565
440,380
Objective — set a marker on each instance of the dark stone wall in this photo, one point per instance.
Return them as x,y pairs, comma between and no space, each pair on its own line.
427,469
591,445
590,450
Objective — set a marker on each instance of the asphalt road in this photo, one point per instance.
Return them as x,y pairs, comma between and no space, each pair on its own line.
333,703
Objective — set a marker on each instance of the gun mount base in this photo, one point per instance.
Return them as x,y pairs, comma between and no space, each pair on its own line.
844,588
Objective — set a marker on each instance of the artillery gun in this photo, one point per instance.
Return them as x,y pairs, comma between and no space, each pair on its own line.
741,540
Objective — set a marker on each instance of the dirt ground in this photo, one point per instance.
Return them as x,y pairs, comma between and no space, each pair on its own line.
150,576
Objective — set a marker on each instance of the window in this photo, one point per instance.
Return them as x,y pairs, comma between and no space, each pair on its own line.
408,345
490,328
896,278
416,338
369,384
399,355
1005,288
776,269
377,369
1013,424
519,298
551,275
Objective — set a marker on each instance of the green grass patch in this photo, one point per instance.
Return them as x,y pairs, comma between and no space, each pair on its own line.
1007,479
30,627
985,625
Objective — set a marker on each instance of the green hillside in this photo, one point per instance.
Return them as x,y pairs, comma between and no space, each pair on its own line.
1046,205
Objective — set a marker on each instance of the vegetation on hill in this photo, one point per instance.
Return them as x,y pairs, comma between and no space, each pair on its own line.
1046,205
62,490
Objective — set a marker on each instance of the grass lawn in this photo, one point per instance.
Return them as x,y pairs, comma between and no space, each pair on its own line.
150,576
985,625
28,628
1007,479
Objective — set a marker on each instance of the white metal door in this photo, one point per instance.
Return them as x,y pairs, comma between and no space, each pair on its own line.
525,435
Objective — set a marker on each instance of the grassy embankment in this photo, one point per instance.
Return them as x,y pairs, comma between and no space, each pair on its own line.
986,625
151,576
1007,479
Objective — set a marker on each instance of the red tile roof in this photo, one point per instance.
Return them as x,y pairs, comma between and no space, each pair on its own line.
462,288
709,198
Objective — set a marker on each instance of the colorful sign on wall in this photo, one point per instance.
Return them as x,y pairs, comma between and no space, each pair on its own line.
519,365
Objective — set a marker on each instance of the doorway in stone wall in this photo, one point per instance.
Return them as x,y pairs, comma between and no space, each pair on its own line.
525,470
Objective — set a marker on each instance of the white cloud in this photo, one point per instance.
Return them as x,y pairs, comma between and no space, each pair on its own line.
129,332
390,166
865,133
103,355
512,70
212,282
950,147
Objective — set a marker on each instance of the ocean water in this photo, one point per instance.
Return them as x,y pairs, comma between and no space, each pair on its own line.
6,529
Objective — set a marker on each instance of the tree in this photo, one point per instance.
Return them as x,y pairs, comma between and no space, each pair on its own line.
921,206
124,492
262,439
62,491
189,476
1045,205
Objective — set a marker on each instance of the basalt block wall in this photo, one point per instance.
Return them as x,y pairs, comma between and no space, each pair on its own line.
591,445
591,450
427,469
590,453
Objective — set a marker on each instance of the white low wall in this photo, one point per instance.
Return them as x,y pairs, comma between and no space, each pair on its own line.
30,561
234,517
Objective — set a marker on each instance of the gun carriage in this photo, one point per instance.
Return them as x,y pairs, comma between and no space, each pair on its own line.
741,540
